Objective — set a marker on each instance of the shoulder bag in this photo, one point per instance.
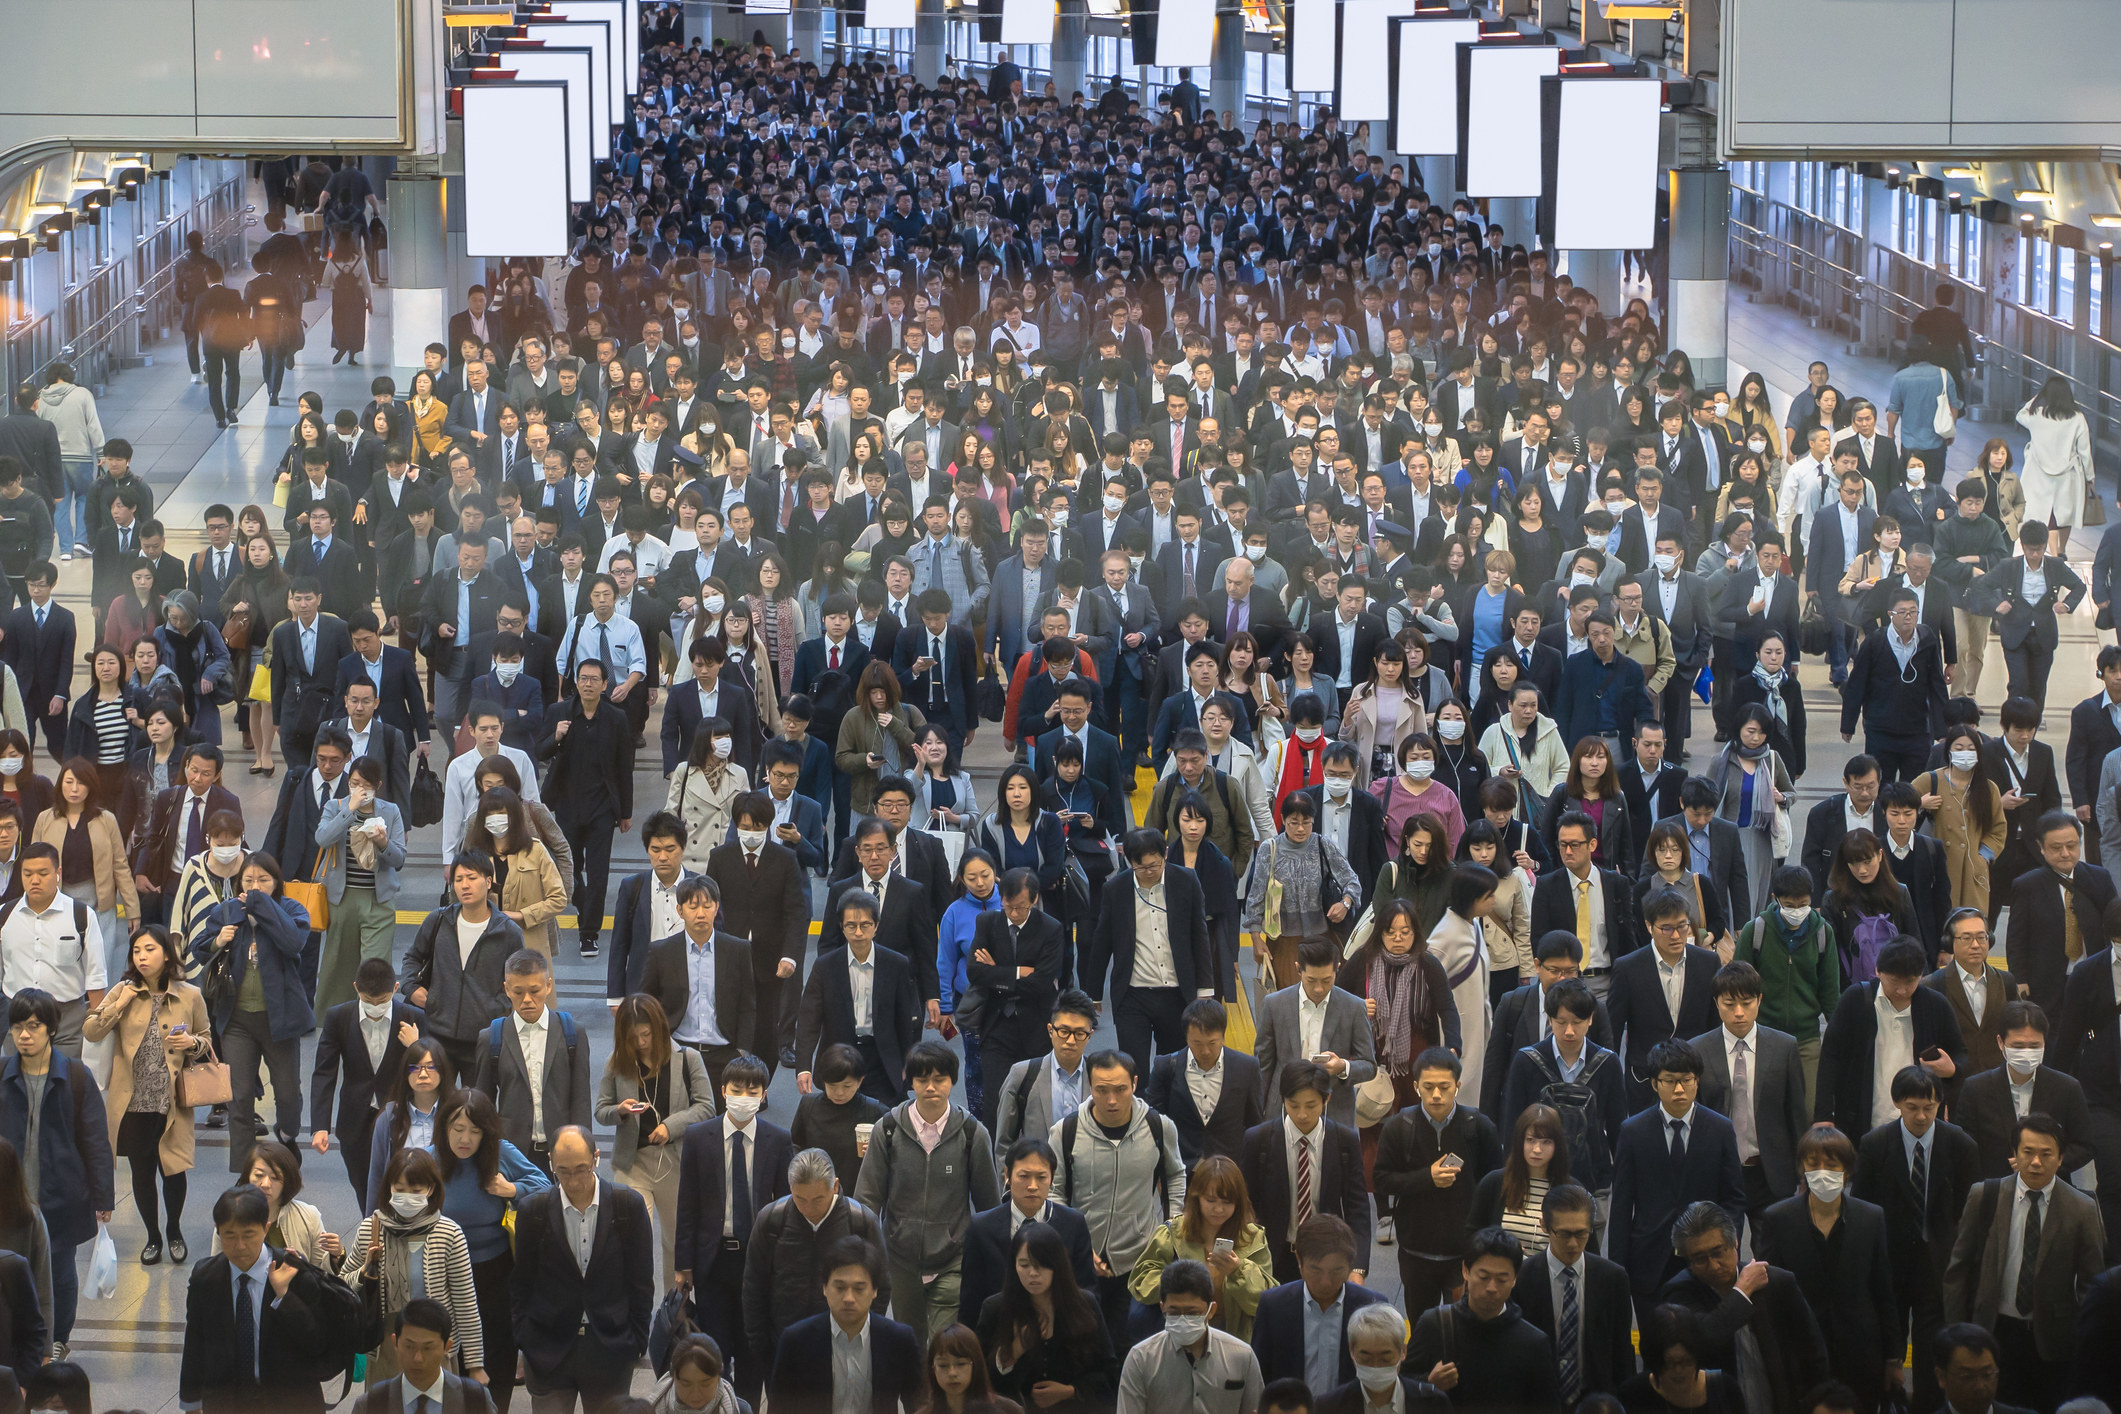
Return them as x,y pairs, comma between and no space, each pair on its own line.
313,894
204,1082
1270,917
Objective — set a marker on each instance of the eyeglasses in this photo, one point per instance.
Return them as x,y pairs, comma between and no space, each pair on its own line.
417,1066
1069,1033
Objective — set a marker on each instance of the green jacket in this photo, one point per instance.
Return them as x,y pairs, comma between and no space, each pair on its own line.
1800,978
1958,536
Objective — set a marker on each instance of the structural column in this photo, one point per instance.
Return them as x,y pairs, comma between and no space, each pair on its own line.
1700,274
699,22
1599,271
806,29
1071,49
419,260
1226,83
930,30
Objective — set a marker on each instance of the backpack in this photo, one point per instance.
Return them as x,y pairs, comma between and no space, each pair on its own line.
1073,1125
1582,1123
350,1323
346,282
190,280
1870,935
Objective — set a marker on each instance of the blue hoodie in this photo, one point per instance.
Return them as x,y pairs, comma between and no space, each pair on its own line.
953,946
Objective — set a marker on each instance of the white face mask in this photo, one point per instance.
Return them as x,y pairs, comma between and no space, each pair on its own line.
1451,729
1666,563
1579,578
1136,561
1115,504
506,673
408,1205
1756,444
1824,1183
712,603
1059,518
1377,1379
751,839
723,746
1916,476
1337,787
1964,760
1794,917
1420,768
1434,429
1186,1330
376,1011
1309,734
2025,1058
496,825
1255,552
740,1108
227,853
10,766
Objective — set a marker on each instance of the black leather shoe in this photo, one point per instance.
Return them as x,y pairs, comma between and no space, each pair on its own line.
151,1255
178,1252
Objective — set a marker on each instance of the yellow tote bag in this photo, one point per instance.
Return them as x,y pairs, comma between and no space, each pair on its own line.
261,684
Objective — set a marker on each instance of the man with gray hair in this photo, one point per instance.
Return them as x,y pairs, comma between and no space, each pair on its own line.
789,1237
1756,1320
532,1064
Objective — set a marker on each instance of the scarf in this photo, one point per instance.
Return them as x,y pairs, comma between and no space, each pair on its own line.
1395,979
397,1236
362,844
1302,767
666,1400
1775,704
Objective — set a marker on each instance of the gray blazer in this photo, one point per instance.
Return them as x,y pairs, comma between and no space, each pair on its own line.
1780,1115
331,836
2072,1247
459,1396
1346,1034
506,1080
691,1102
1033,1115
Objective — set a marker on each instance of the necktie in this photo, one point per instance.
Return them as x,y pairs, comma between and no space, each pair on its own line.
1919,1175
221,565
195,828
1678,1141
1525,656
319,552
419,1405
832,658
2029,1256
246,1331
739,1189
751,860
1304,1199
41,611
1571,1375
581,498
1237,609
1188,583
1742,1104
1583,913
323,792
604,644
2072,934
935,563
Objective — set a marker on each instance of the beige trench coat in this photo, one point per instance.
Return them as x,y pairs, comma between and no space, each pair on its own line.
126,1011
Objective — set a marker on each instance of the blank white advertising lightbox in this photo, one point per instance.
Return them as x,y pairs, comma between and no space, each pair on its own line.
1604,183
515,169
1185,34
574,67
1363,92
1027,21
1499,125
1425,83
1313,61
596,34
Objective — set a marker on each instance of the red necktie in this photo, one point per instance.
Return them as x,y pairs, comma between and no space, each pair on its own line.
832,658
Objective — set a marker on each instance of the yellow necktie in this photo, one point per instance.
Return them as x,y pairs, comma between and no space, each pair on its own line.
1583,914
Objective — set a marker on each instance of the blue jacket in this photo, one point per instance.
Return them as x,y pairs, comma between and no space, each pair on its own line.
466,1202
74,1162
332,831
953,944
280,928
1584,682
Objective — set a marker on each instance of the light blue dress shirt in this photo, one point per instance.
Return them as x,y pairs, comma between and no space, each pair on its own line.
1322,1341
699,1027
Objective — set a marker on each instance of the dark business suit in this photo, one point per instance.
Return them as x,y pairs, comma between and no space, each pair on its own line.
288,1332
583,1329
43,662
1012,1023
1649,802
1824,825
1148,1017
569,1092
1637,1006
338,574
1986,1112
736,1012
1651,1189
1927,879
1919,1226
1792,1351
826,1017
2093,735
715,1262
2026,630
769,907
1265,621
1848,1283
1339,1190
1780,1117
683,718
399,701
301,693
944,694
2087,1043
802,1368
1846,1053
1604,1330
1278,1329
1237,1108
632,932
2036,918
987,1241
342,1047
1521,1020
907,925
459,1396
1554,907
291,837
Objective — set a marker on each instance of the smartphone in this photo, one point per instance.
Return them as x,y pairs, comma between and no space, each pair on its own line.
1453,1161
1934,1053
1224,1245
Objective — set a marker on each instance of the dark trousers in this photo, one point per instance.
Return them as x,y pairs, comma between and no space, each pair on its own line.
767,988
2027,667
1675,707
1840,638
489,1285
1127,718
1005,1041
247,1043
224,382
275,372
354,1143
587,1373
1147,1019
463,1055
1918,1287
1426,1281
590,839
1758,1198
1899,758
718,1293
191,348
2105,1139
1116,1302
54,734
716,1059
780,1032
2028,1381
878,1083
842,819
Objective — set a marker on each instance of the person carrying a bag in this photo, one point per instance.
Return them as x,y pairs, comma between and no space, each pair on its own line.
1302,893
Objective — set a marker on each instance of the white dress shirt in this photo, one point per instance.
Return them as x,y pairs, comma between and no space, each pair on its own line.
750,1131
1976,989
1205,1086
1153,963
534,1037
1311,1023
45,951
861,986
1894,1053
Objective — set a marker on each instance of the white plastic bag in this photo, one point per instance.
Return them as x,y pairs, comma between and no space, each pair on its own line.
103,1266
101,1057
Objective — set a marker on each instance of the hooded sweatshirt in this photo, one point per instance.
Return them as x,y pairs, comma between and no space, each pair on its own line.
1112,1182
71,409
1504,1366
928,1199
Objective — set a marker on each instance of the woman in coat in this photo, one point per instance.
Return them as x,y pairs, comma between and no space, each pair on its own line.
1459,942
1414,790
1420,874
2003,494
346,277
363,836
290,1222
1319,891
1044,1330
703,791
193,651
944,797
2058,461
160,1022
485,1179
532,893
73,1162
1593,788
92,861
265,1013
408,1226
498,772
154,767
99,726
1773,687
1408,999
1019,835
259,594
1964,810
1752,788
22,1229
652,1091
1217,1209
1380,715
1192,848
876,735
1509,921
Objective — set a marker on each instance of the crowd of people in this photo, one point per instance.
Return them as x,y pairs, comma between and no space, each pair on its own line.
1252,496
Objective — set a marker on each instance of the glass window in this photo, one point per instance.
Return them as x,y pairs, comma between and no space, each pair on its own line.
2039,256
2095,273
2065,305
2024,258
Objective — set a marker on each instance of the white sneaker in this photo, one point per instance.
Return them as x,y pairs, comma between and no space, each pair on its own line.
198,378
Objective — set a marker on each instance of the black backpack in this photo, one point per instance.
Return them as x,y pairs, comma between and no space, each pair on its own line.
1072,1125
1582,1122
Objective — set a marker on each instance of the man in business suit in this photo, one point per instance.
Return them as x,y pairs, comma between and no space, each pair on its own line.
1239,607
534,1104
704,979
648,906
1301,1164
882,1020
1207,1074
1978,992
39,647
1348,641
1027,1169
1670,1156
1855,808
251,1320
906,912
730,1167
379,741
690,705
766,902
810,1376
1651,786
1750,1073
304,654
582,1302
1661,991
2088,1045
1652,518
1919,864
366,1040
1009,610
2094,734
2025,1253
1839,534
1187,558
1521,1016
941,684
1677,598
1317,1022
1594,903
2056,909
1290,1344
1918,1169
1992,1101
291,837
392,672
422,1337
1554,1290
331,560
1759,1300
1102,761
1757,601
2024,595
1152,933
1892,1021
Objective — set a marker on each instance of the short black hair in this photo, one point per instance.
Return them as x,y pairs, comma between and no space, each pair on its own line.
1676,1056
931,1058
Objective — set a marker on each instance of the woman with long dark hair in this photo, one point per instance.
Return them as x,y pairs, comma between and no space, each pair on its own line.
1773,687
1044,1338
291,1222
484,1178
957,1377
409,1115
652,1091
1191,847
1406,995
1218,1210
1593,787
1420,874
22,1227
1513,1196
1021,835
2058,461
1866,906
1752,784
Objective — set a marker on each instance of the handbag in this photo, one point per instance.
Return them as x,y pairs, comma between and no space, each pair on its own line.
1376,1099
204,1082
425,797
261,684
1944,424
312,894
1270,918
235,630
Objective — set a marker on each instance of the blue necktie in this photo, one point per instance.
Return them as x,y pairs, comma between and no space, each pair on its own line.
1571,1376
246,1331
